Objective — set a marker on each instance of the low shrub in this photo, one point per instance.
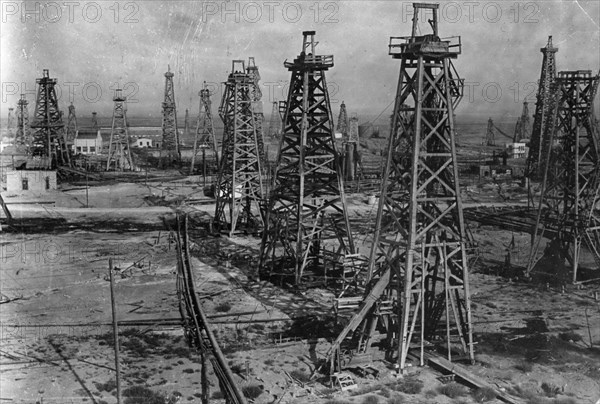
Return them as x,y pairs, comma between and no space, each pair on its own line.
484,394
370,400
453,390
252,391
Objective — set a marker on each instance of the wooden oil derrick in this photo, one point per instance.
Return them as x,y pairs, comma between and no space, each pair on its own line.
48,140
417,280
95,125
343,124
571,177
490,136
275,121
119,154
543,113
351,144
71,132
22,137
186,123
239,186
257,107
10,124
170,152
307,230
523,126
205,131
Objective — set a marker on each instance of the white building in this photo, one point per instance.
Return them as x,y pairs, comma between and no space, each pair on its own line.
517,150
30,181
146,142
88,141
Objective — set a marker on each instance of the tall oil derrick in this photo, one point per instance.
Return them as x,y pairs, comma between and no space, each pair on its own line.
343,124
10,125
119,153
523,126
256,96
71,132
205,130
351,141
186,123
418,264
239,186
490,136
543,113
275,121
170,136
307,230
22,137
571,177
48,140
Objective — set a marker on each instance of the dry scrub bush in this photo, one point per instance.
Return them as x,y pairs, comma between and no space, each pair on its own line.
370,400
484,394
453,390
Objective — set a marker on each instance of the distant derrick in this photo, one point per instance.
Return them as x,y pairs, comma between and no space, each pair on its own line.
239,187
205,131
23,136
10,125
352,156
48,140
307,230
543,112
71,132
256,96
343,124
119,154
170,135
490,137
523,126
275,121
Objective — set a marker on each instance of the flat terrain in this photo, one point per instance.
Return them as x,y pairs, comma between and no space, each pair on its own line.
533,340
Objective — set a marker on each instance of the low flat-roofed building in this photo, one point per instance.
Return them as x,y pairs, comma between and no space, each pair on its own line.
30,181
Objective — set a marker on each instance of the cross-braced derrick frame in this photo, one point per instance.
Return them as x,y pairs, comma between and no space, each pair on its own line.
307,230
205,138
119,153
170,135
571,178
48,141
542,117
239,188
418,264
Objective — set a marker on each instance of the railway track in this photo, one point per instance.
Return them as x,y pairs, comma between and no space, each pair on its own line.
196,326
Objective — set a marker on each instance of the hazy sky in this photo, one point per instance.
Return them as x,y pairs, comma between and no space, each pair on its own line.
91,47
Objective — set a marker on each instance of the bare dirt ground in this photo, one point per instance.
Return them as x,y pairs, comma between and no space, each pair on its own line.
533,340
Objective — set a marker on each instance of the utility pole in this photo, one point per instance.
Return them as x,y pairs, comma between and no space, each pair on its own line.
115,329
